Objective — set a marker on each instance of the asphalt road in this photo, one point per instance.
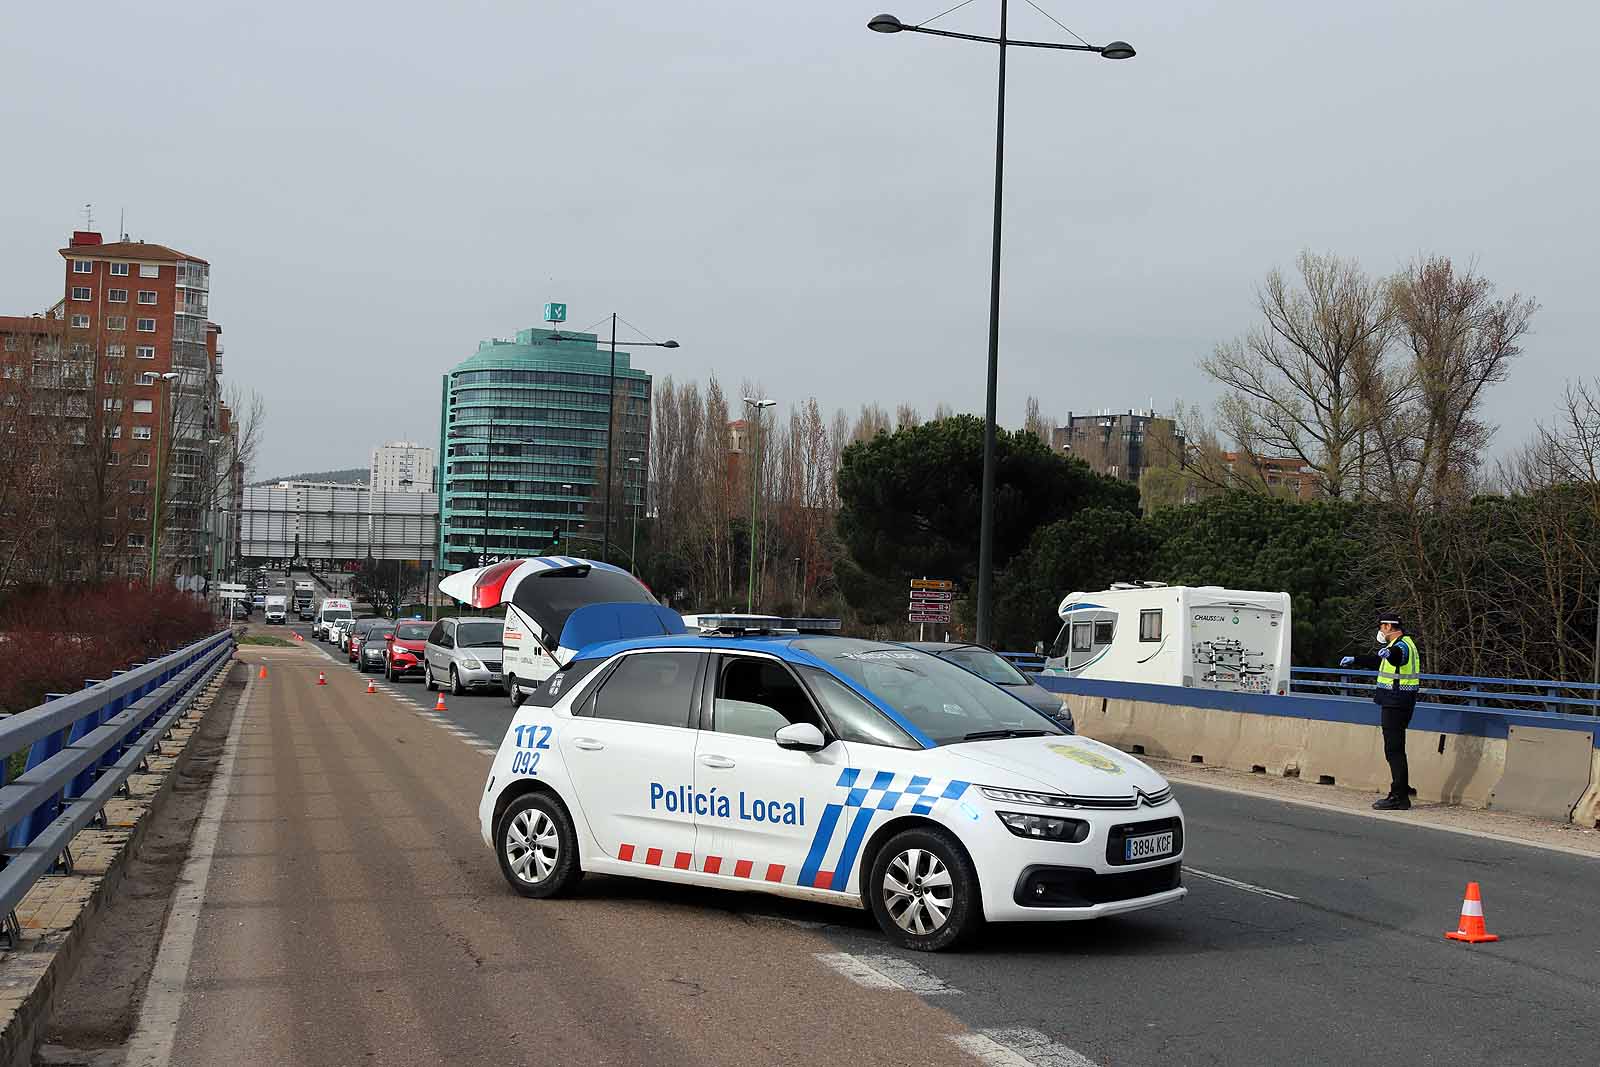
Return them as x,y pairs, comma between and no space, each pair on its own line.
350,913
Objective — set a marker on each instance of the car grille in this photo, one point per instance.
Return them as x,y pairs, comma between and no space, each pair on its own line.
1078,887
1153,800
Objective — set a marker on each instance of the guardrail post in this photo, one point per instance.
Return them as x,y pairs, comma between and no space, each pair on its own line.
90,722
41,750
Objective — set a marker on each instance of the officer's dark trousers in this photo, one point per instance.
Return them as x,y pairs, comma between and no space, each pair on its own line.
1395,720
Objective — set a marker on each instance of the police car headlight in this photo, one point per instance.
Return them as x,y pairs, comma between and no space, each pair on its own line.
1018,796
471,664
1044,827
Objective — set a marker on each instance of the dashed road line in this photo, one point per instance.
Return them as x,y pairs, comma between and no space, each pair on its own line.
1018,1046
1236,884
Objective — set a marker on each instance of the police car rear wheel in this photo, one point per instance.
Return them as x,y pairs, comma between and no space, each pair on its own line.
538,848
924,890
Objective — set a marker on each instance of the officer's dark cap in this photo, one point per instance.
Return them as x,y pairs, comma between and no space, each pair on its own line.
1390,617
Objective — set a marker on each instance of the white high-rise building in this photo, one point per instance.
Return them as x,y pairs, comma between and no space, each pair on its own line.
401,467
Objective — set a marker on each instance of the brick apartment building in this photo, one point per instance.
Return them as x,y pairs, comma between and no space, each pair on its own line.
120,382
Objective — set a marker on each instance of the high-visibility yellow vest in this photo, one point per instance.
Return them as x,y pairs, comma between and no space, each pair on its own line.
1405,677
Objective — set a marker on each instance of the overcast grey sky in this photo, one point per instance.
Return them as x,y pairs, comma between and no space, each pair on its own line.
794,198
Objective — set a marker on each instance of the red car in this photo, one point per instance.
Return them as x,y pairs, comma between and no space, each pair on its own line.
405,649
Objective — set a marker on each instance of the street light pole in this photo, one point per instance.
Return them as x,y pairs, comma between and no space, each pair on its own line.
611,419
566,540
1114,50
755,482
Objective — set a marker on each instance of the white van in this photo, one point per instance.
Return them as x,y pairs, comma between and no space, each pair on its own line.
277,609
540,594
1203,637
330,612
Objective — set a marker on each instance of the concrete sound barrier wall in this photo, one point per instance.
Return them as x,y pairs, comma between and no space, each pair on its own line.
1458,754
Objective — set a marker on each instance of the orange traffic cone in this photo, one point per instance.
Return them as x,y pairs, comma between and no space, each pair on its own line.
1472,930
322,679
439,704
372,687
263,673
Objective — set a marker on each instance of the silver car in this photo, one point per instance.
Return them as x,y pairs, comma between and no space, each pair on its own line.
463,654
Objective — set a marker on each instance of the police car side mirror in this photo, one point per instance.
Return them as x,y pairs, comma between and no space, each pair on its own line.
801,737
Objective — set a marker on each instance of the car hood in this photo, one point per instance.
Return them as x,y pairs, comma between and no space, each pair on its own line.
1066,763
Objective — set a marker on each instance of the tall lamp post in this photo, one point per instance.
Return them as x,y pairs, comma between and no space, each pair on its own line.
163,382
566,538
759,406
211,589
1114,50
611,417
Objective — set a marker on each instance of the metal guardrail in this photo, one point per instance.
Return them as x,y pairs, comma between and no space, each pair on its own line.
1516,694
1465,690
81,749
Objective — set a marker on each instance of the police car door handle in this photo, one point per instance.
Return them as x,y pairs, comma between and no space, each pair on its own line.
721,763
588,744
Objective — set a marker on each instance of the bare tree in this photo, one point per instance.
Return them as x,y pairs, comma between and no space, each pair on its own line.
1461,339
942,411
1295,381
1035,422
906,416
872,421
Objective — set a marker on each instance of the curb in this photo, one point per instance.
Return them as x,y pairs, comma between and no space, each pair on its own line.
30,974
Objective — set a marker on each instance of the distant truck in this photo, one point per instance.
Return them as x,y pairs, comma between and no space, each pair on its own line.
304,594
277,609
331,612
1203,637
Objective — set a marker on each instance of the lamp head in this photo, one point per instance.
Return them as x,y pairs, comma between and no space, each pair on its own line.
1118,50
669,344
885,24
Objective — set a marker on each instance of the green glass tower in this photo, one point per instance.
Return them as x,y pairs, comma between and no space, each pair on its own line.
522,448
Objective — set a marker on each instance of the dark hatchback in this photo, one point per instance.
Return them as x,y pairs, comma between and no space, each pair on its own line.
993,667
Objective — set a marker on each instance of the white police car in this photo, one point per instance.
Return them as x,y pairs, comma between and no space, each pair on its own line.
833,769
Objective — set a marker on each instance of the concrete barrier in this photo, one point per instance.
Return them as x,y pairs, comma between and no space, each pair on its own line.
1480,757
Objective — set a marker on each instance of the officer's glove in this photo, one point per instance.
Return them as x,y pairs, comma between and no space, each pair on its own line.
1347,661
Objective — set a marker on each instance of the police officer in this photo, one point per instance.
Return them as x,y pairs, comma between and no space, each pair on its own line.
1399,668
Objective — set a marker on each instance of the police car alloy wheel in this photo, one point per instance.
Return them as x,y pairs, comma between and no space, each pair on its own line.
537,847
923,890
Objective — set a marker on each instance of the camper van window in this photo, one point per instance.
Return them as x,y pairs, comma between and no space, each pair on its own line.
1082,632
1150,625
1102,632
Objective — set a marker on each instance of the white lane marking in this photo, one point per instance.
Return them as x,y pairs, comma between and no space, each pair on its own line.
1245,886
856,971
151,1043
885,972
909,975
1018,1046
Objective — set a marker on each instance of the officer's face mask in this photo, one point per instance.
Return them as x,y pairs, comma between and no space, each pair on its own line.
1383,638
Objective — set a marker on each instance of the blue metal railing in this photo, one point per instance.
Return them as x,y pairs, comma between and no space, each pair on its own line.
1464,690
81,749
1517,694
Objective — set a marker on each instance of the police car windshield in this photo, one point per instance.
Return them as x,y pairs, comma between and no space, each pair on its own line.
947,703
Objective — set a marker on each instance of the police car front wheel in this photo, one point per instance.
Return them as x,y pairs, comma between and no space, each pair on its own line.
924,890
538,848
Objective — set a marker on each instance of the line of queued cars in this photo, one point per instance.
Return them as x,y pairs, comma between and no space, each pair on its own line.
459,654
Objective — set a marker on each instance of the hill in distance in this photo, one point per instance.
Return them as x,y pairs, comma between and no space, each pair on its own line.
354,475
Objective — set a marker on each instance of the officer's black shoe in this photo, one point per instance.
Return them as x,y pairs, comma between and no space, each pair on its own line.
1392,804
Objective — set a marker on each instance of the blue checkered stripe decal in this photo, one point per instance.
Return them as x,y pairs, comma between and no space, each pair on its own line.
829,862
876,789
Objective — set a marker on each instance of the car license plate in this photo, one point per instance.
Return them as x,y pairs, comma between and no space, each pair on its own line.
1148,846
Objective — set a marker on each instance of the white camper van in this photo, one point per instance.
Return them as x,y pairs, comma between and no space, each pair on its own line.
1204,637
